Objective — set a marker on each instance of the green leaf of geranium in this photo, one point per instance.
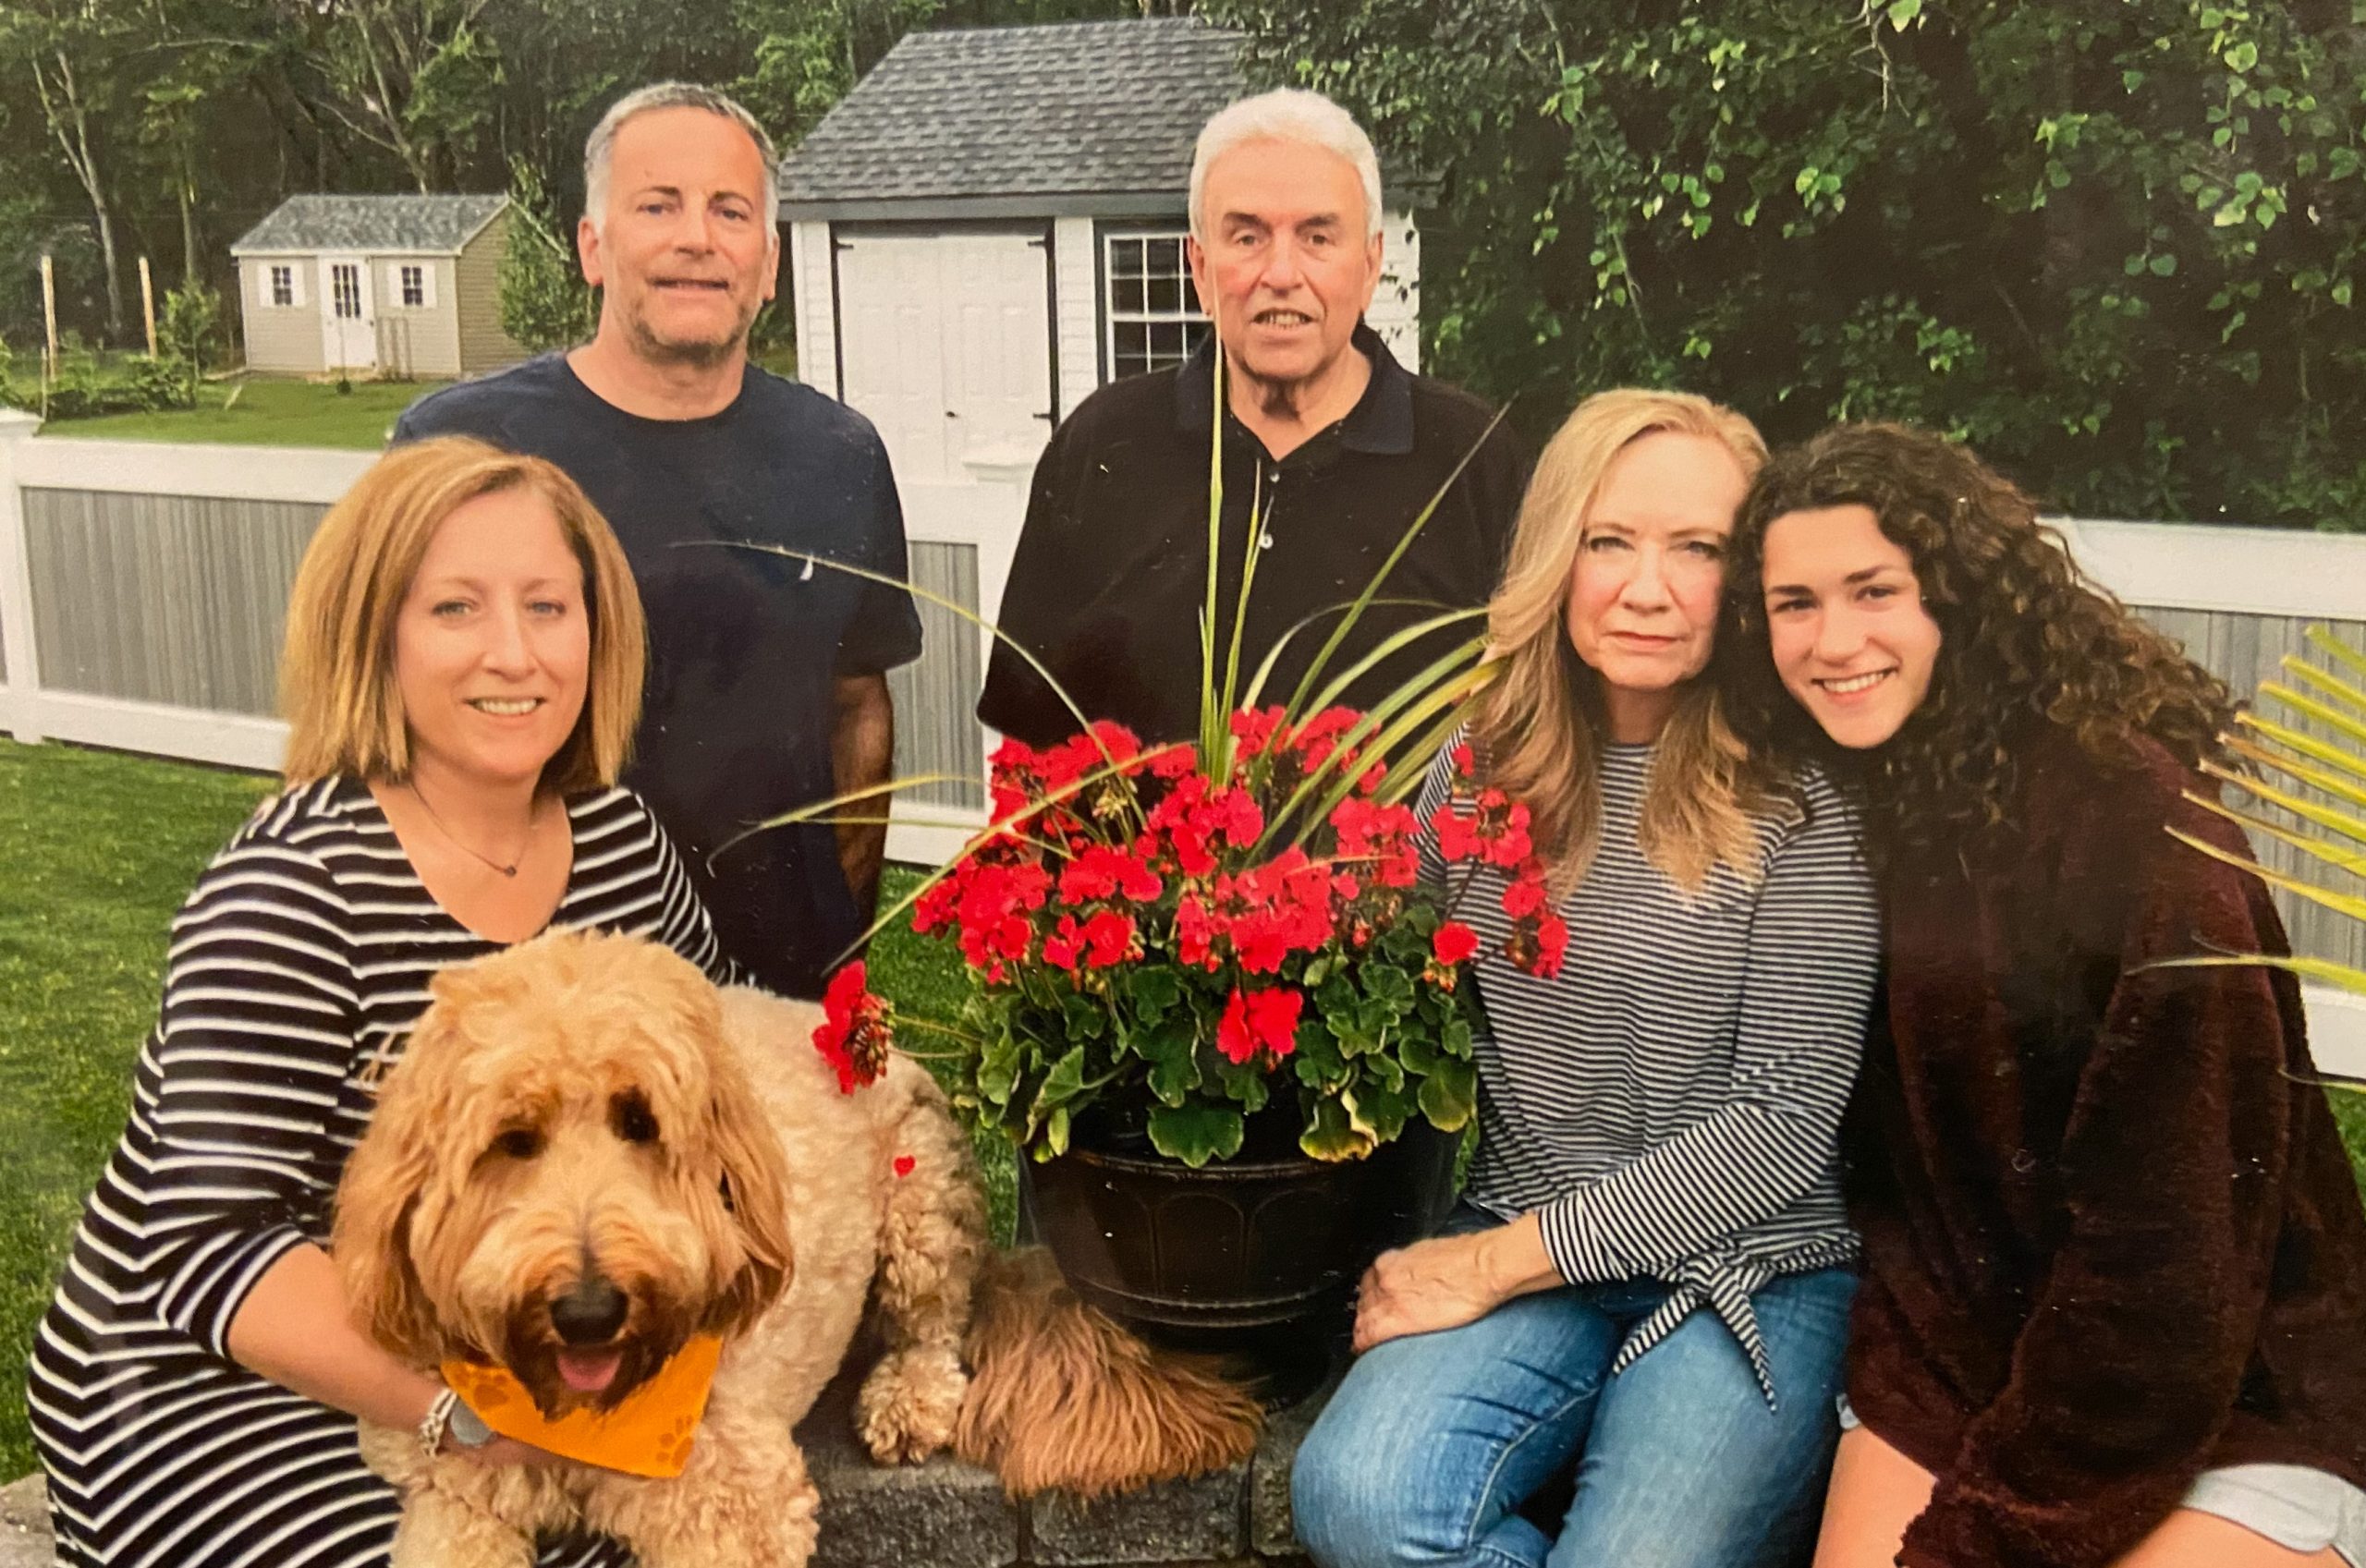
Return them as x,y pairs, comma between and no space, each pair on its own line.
1055,1131
1386,982
1062,1083
1155,991
1197,1133
1173,1079
1329,1135
1454,1039
1450,1096
998,1071
1378,1108
1084,1018
1418,1054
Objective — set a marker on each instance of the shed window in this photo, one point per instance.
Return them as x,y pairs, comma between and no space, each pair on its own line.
414,285
282,285
1151,308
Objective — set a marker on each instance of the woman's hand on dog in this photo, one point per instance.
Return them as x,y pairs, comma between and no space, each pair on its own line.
1447,1282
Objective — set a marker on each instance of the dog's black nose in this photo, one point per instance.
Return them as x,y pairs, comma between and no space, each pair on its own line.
590,1313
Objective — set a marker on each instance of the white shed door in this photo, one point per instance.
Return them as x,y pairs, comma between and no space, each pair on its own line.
947,344
348,316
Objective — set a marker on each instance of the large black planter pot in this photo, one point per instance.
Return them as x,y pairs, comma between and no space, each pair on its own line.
1257,1256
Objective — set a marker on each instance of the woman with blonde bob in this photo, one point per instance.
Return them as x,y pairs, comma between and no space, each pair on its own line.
461,677
1649,1274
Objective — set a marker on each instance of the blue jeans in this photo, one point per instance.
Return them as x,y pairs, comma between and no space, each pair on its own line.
1433,1441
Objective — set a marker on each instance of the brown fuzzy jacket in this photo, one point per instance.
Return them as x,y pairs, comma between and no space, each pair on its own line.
2111,1238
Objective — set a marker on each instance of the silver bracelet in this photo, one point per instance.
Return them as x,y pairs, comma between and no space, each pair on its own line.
431,1425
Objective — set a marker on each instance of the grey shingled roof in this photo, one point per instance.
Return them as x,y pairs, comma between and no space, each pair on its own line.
434,224
1074,107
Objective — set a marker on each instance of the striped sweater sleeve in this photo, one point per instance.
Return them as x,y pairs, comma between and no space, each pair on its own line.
241,1080
1812,959
682,922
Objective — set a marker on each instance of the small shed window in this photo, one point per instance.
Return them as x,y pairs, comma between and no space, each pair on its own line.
1151,308
414,285
282,285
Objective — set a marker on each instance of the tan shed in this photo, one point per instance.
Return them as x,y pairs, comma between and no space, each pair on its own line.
400,287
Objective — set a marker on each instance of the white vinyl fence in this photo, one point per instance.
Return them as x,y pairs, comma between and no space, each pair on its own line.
143,585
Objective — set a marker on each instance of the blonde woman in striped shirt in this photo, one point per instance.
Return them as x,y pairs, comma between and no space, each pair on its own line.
462,674
1650,1274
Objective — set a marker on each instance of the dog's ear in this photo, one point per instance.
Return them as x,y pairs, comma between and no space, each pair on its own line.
375,1201
754,1179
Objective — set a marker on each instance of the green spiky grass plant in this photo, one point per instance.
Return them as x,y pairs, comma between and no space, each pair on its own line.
2286,762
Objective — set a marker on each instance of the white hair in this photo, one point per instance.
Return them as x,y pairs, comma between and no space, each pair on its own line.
598,148
1287,113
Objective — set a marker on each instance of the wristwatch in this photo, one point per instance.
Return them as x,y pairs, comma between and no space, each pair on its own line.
449,1416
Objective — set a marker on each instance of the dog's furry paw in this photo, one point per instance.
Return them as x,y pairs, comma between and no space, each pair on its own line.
910,1403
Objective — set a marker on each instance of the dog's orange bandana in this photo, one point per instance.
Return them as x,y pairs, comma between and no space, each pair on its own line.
649,1432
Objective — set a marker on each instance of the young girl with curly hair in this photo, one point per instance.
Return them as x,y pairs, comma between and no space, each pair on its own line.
2114,1308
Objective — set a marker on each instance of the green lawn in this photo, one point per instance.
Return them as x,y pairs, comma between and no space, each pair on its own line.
262,412
96,851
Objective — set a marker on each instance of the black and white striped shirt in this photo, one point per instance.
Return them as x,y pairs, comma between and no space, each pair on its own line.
1670,1105
295,972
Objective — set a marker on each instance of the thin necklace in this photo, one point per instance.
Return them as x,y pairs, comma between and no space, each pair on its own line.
509,871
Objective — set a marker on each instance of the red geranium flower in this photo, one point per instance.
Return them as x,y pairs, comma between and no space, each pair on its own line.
1454,942
1262,1020
853,1036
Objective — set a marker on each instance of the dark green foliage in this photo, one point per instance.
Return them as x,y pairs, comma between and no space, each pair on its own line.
544,301
2112,243
89,383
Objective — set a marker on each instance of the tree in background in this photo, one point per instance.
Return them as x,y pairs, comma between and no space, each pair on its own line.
2113,243
544,301
188,333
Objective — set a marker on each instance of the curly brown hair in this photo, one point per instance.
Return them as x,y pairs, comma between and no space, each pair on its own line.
2025,642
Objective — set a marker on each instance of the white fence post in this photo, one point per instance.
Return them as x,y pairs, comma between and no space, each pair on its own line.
21,697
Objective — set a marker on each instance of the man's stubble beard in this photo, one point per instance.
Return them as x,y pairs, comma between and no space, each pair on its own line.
650,349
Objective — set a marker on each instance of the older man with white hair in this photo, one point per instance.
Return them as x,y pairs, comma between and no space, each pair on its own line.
1338,444
767,684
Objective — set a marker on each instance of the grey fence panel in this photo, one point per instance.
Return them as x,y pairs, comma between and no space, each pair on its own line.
164,599
936,695
2245,650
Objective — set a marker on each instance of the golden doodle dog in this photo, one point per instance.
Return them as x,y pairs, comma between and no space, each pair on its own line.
587,1155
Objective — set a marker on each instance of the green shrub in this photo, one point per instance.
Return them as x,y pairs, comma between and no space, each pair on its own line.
89,384
188,333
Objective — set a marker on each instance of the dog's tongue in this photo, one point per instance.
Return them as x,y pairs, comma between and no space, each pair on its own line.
589,1371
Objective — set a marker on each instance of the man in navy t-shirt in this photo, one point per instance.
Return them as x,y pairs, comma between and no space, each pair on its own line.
767,684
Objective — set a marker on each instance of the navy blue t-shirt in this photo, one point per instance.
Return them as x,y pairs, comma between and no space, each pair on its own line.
743,645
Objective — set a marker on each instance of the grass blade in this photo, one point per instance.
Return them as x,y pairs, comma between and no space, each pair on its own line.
2331,784
1084,725
2305,744
1404,543
2339,903
2324,817
2347,860
2332,717
2331,685
2320,636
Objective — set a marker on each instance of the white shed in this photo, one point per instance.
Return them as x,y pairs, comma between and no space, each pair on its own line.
986,229
991,226
394,286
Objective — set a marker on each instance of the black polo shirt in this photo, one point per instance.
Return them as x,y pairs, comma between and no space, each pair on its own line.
1111,570
743,645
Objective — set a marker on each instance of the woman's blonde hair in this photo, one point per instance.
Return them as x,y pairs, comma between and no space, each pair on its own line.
337,669
1536,731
